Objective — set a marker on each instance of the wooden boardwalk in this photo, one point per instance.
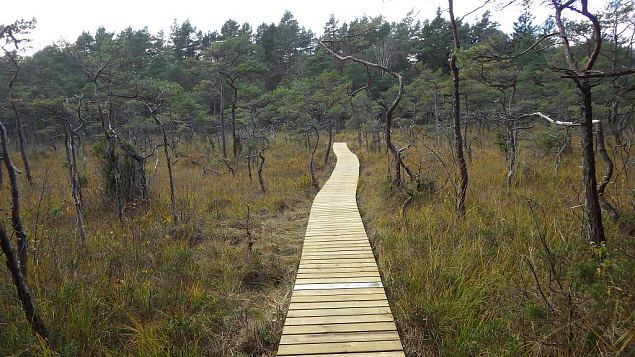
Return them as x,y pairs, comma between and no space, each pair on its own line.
338,306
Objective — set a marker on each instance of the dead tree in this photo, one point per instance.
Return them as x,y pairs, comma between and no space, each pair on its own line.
616,17
249,157
313,128
18,121
256,135
261,164
9,36
166,151
456,113
231,81
70,146
388,109
104,117
329,142
114,140
582,76
358,118
566,142
22,286
222,118
608,173
16,219
250,238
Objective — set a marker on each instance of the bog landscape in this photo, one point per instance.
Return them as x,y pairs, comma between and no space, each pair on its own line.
436,185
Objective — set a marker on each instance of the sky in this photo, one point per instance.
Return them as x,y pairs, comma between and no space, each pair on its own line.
66,19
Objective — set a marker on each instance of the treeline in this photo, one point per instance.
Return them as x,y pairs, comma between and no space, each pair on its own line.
277,61
277,64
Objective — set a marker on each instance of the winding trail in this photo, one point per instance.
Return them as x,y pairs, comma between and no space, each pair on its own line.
338,306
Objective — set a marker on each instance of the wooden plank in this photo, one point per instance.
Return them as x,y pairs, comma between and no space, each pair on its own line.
357,354
338,255
352,231
324,275
336,298
335,248
358,312
327,270
358,243
355,279
327,238
340,347
381,302
337,264
367,258
327,328
336,286
334,253
339,291
352,241
320,320
330,241
339,337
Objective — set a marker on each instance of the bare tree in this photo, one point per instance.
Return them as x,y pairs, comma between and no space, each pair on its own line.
608,173
383,52
358,117
22,286
261,164
70,145
456,113
222,118
166,151
581,75
104,117
256,135
388,109
16,219
231,81
9,35
313,128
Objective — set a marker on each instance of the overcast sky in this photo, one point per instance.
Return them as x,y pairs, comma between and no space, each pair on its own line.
66,19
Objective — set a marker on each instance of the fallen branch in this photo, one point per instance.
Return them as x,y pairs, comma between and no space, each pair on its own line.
553,121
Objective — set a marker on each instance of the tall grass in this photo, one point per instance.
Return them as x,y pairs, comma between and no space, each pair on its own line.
142,287
516,277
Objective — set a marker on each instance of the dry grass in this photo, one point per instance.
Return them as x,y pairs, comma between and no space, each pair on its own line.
457,287
146,288
465,287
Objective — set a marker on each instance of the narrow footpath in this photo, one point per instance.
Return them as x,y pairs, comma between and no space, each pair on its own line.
338,306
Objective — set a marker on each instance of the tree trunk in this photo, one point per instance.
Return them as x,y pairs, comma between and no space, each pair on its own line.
235,138
249,158
608,173
396,181
591,202
329,144
511,155
22,286
456,112
359,130
16,220
168,161
222,122
18,124
73,180
261,156
314,182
